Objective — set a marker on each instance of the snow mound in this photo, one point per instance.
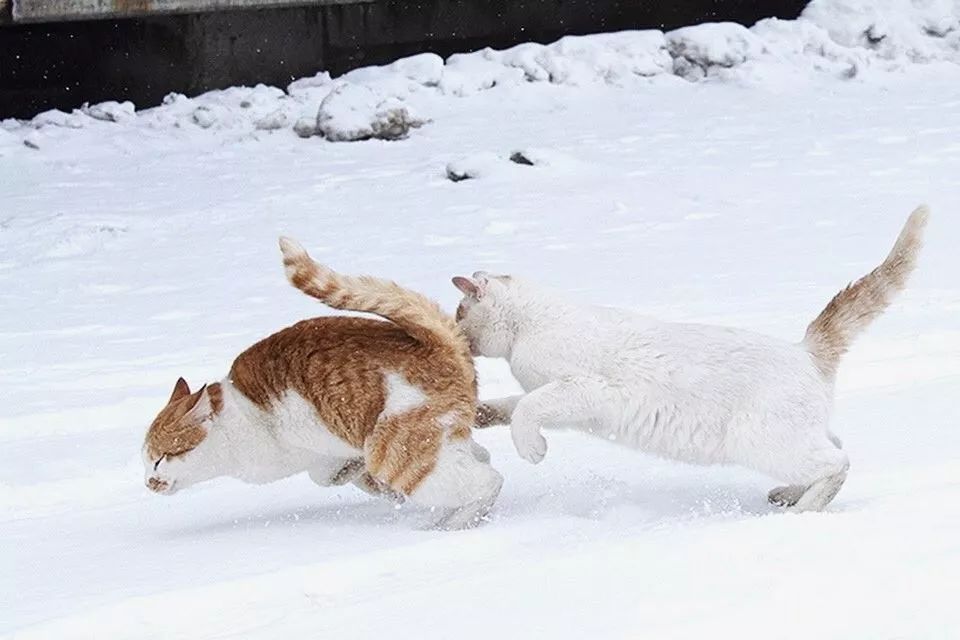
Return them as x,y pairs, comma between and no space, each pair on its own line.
478,165
801,45
489,165
610,58
606,58
468,73
110,111
912,30
8,142
272,121
357,112
543,157
704,49
305,127
234,109
57,118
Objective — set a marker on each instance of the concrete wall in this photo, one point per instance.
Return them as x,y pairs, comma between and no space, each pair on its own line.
62,65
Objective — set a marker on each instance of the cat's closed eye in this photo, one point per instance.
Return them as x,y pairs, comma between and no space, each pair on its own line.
156,464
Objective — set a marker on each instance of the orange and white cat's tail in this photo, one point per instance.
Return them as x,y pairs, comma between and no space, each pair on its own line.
831,333
421,318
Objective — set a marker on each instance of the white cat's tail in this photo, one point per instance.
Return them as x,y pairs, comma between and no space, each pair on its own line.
421,318
831,333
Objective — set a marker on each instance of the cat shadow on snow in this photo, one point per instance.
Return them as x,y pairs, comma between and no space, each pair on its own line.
349,513
646,498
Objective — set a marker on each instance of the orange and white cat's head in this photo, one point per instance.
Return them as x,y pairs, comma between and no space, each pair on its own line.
485,313
181,447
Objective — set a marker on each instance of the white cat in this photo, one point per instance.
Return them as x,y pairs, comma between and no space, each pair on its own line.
697,393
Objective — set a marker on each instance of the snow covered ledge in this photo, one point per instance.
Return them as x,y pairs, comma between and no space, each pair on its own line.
840,38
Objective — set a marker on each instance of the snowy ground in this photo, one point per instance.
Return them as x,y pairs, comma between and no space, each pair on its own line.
129,257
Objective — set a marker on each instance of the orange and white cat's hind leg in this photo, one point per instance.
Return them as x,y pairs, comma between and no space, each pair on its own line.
367,483
435,464
334,472
462,486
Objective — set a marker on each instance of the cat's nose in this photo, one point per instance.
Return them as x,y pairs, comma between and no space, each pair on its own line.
157,485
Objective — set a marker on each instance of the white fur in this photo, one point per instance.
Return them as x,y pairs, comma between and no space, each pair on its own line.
245,442
697,393
448,420
401,395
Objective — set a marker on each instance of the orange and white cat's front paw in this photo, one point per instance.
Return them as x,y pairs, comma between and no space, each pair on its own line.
531,446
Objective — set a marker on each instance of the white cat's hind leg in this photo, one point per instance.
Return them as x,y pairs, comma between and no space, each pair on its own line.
816,476
786,496
819,494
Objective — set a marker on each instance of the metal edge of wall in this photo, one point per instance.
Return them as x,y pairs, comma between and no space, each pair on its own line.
35,11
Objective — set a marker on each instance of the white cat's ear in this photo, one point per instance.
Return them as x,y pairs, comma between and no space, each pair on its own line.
180,390
469,287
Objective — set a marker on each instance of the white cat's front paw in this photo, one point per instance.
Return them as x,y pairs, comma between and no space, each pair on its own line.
529,443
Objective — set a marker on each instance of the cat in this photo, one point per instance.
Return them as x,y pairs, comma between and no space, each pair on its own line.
387,405
697,393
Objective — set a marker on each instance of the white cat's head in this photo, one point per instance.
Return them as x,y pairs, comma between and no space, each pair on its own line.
486,313
183,445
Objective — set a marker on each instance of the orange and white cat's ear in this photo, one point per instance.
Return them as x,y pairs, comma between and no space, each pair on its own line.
199,401
209,401
180,390
470,287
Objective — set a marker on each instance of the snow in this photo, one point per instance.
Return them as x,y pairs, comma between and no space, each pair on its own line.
698,49
356,112
919,30
110,111
138,247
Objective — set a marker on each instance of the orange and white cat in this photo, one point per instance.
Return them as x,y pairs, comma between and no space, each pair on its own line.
386,405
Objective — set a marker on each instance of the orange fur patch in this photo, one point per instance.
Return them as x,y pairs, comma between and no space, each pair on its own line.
338,364
177,429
